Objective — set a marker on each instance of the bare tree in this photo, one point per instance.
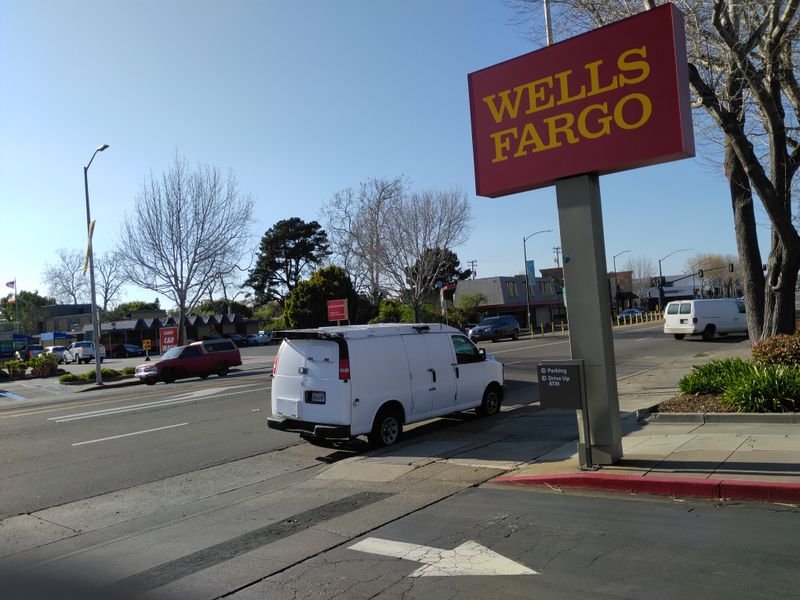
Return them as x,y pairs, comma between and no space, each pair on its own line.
65,279
642,269
186,227
422,223
110,277
742,70
355,222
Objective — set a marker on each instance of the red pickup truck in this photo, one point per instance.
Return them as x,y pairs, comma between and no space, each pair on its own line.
199,359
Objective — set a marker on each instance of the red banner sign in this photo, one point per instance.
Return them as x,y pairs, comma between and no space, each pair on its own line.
613,99
337,310
167,338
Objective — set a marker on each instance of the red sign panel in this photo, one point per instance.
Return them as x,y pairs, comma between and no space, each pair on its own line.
167,338
613,99
337,310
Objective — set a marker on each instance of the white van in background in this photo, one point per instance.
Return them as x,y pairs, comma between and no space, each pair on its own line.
705,317
341,382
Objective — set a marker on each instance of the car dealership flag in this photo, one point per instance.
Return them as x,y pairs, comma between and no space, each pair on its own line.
12,283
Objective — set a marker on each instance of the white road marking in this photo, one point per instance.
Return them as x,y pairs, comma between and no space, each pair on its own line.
181,399
116,437
470,558
528,347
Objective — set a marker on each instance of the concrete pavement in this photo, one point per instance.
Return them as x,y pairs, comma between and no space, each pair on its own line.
731,455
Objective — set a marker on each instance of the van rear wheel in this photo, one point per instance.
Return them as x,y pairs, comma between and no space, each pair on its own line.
387,428
679,336
708,332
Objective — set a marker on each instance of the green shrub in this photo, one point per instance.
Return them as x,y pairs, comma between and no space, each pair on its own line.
43,360
15,367
129,370
780,349
68,378
106,373
714,377
766,388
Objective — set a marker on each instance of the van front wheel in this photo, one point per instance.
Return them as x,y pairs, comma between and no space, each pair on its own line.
387,428
492,398
679,336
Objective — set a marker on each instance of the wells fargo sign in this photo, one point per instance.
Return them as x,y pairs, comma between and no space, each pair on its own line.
609,100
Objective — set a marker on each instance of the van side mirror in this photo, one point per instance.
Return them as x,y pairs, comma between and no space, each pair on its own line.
482,352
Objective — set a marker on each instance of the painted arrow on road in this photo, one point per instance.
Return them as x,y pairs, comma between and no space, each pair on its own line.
470,558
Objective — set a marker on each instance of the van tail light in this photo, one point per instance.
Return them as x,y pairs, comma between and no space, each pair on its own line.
694,320
344,368
275,365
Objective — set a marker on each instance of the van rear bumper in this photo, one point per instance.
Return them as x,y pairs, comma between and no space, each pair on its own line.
684,329
330,432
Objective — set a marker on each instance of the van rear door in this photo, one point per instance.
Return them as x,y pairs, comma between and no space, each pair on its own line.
306,384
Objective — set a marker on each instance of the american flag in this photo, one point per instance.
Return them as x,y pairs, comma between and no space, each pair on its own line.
11,284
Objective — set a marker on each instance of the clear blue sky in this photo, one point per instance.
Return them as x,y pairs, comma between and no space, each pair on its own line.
299,99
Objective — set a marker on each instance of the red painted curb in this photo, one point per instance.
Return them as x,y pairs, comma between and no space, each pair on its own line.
761,490
664,486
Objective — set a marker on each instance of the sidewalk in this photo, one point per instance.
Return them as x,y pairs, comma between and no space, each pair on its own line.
733,456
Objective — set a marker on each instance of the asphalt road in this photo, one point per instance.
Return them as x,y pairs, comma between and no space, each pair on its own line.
82,445
577,547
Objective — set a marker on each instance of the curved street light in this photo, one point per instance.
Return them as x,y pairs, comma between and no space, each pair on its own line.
527,283
614,260
90,252
661,277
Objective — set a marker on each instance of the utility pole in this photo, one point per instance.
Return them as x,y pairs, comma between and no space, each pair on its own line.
472,267
557,252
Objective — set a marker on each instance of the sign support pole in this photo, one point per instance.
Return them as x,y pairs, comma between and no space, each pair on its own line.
588,300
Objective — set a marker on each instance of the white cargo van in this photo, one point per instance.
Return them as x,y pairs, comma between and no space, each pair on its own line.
705,317
340,382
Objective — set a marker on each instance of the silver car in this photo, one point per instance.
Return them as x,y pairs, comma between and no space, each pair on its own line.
62,355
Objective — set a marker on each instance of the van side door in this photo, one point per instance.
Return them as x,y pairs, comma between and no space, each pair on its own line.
443,371
470,373
420,375
432,371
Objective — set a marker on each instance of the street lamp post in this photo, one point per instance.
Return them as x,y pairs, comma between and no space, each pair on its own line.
661,277
614,260
527,283
95,319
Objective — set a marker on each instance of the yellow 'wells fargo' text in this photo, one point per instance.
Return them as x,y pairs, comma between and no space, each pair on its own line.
593,121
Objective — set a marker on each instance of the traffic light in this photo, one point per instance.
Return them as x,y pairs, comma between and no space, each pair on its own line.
700,273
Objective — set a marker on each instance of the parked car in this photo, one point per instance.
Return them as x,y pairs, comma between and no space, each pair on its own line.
124,350
236,338
29,351
341,382
61,353
495,328
256,339
631,314
198,359
83,352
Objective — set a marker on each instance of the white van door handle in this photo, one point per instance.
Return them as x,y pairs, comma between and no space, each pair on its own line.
433,372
